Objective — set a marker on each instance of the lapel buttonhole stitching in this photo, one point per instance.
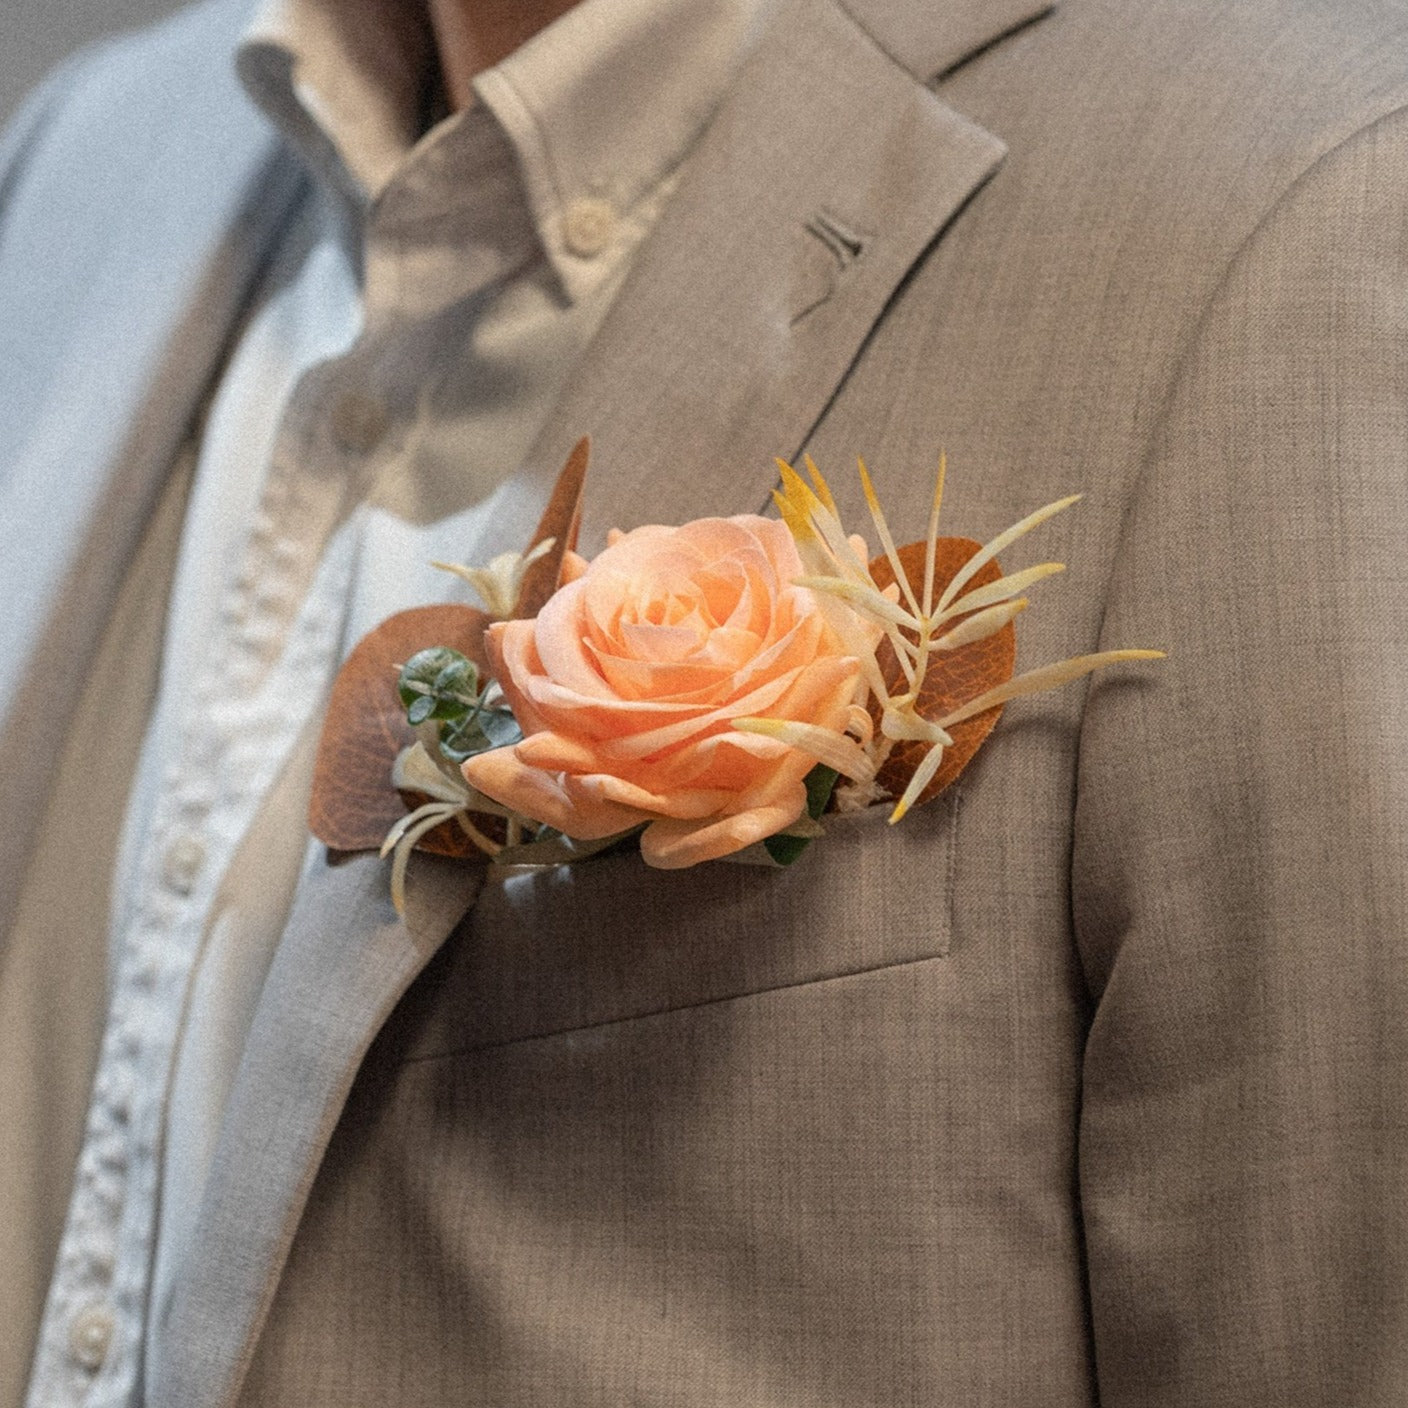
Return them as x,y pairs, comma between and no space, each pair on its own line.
843,246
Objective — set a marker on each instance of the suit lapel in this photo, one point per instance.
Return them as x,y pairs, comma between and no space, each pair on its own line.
823,178
343,963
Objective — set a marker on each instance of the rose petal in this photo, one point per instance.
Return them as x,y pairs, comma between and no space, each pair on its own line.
553,753
513,662
540,795
600,787
629,680
663,683
673,845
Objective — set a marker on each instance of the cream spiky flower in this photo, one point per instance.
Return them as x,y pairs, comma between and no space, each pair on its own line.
922,631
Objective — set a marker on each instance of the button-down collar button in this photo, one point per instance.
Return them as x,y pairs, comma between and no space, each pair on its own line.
90,1336
358,422
181,864
588,226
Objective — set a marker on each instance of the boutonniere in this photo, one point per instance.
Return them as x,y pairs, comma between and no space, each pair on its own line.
708,691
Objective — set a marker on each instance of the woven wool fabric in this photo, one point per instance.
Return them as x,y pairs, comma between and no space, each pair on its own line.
1080,1086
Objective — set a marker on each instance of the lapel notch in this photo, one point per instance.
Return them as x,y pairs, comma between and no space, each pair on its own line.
929,46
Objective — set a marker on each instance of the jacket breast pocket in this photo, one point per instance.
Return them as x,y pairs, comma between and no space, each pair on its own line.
606,940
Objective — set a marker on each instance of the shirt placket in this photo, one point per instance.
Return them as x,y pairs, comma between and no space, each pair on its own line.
262,674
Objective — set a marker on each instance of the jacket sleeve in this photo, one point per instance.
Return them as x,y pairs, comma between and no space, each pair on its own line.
1240,870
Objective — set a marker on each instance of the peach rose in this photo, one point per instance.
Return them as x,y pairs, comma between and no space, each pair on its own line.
626,684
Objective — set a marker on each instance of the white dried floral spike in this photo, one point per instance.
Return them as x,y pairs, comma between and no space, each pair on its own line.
1044,678
913,624
415,770
499,584
833,749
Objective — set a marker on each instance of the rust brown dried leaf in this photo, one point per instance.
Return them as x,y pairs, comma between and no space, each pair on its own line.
560,521
354,804
953,677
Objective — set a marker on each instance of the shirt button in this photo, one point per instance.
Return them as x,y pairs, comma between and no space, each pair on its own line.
90,1336
587,227
358,422
181,864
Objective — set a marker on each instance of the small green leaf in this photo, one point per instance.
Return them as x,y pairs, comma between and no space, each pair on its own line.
479,731
443,677
452,677
785,849
820,782
500,727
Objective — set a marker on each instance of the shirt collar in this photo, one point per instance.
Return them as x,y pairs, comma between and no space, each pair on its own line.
604,104
600,107
346,81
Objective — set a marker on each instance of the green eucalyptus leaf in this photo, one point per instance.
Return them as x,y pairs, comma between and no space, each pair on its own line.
500,727
444,677
458,674
479,731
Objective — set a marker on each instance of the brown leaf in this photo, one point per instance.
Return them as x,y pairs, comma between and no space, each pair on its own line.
560,522
953,677
354,803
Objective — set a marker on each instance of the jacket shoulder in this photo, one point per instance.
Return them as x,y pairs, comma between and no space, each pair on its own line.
125,120
1181,115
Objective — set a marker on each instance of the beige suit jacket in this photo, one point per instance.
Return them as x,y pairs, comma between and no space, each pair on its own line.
1087,1083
